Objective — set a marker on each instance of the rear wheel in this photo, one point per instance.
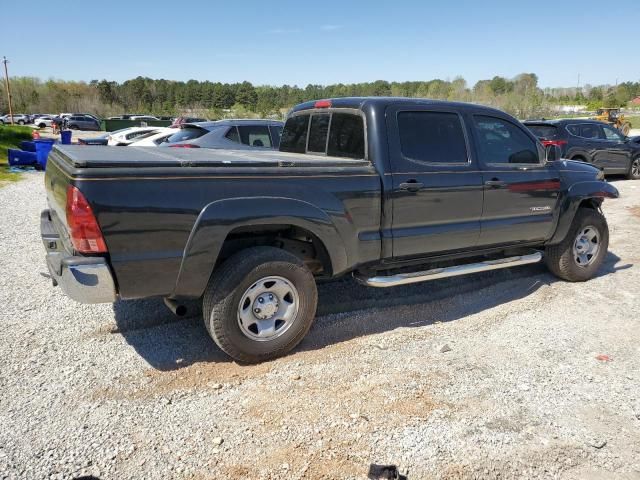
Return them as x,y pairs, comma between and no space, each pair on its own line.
634,169
259,304
20,122
579,256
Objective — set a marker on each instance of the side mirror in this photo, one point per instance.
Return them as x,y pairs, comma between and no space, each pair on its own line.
553,152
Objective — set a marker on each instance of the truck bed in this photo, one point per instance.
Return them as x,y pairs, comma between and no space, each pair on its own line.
88,156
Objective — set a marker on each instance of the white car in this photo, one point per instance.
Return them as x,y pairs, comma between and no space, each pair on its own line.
153,139
129,135
43,121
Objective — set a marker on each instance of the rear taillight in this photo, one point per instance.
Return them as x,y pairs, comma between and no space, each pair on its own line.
185,145
84,230
558,143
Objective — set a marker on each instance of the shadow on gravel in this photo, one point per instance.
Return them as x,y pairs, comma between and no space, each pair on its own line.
346,310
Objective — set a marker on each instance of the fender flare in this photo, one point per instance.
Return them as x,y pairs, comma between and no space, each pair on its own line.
577,193
219,218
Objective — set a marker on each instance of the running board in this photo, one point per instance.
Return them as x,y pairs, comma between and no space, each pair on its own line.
436,273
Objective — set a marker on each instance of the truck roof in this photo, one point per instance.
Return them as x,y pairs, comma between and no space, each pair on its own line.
382,102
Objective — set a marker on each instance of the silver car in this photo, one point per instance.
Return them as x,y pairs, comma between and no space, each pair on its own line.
18,118
82,122
228,134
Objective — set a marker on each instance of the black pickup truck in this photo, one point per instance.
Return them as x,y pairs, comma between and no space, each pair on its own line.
392,190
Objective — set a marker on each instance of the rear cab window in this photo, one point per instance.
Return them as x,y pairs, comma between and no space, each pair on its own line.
333,133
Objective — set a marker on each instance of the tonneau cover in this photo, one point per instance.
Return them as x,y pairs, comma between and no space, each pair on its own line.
87,156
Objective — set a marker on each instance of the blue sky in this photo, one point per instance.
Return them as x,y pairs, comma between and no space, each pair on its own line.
298,42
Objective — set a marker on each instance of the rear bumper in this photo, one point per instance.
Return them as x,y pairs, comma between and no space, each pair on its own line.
84,279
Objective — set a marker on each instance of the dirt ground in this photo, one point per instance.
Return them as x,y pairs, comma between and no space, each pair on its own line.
507,374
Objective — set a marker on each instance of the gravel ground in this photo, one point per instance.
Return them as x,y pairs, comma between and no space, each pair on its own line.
488,376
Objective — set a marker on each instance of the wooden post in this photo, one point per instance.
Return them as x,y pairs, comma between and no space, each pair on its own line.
6,79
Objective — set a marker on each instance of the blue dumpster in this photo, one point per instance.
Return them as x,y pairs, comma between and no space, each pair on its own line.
28,146
43,147
65,137
20,158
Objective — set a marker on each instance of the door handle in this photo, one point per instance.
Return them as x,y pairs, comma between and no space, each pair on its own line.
495,183
411,185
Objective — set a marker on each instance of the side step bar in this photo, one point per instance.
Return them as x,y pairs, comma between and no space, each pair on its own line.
436,273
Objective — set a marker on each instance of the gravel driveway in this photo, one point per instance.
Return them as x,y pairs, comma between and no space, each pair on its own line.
508,374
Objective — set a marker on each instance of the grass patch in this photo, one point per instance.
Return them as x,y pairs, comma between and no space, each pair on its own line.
10,137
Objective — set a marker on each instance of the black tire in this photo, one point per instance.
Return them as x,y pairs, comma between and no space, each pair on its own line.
634,169
229,284
73,127
42,125
20,122
560,258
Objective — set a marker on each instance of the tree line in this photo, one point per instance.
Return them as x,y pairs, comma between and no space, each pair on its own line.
520,96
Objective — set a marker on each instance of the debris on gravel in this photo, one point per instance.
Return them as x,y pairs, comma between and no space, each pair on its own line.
129,391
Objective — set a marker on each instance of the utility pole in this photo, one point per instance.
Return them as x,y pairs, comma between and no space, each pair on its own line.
6,79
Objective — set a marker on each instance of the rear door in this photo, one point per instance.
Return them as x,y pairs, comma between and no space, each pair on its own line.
437,188
520,191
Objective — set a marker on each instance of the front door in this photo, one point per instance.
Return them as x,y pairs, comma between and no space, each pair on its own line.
520,191
437,188
615,152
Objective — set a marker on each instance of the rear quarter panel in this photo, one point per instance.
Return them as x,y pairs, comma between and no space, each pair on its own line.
147,219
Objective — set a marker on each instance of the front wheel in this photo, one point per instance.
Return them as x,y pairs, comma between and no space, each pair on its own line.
579,256
259,304
634,169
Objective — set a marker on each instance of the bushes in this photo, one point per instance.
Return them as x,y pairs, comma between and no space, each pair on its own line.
10,137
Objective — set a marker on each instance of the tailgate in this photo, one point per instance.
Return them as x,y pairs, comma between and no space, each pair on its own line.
56,183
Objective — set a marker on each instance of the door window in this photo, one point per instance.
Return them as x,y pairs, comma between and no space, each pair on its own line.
434,137
501,142
232,135
255,135
612,134
589,131
276,133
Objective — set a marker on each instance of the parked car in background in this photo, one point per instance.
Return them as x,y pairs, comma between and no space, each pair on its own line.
43,121
590,141
18,118
229,134
82,122
129,135
144,117
153,139
100,140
